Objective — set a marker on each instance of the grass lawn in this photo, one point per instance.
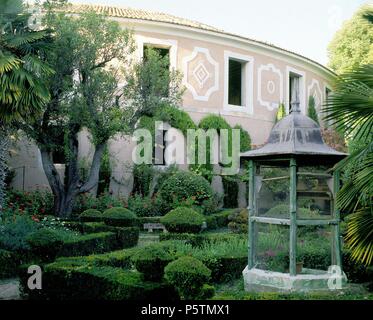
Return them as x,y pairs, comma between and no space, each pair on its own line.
234,290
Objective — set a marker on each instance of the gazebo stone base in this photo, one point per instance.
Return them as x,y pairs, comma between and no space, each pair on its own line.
257,280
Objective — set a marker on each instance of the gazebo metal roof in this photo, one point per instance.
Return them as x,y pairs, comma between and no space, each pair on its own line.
296,136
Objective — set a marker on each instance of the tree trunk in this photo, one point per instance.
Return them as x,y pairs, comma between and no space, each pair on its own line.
54,181
64,195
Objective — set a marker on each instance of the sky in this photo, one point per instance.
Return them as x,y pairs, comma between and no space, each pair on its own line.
303,26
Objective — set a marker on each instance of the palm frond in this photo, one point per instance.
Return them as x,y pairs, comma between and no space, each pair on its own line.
359,237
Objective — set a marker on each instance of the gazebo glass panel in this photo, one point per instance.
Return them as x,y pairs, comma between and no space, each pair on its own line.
272,249
314,196
272,198
314,247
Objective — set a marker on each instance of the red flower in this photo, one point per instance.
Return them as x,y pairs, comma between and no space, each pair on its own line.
35,218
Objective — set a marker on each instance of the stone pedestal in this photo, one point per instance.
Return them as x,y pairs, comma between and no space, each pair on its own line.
257,280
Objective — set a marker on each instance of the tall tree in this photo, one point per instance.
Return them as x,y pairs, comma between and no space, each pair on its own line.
350,109
22,92
352,45
87,56
151,84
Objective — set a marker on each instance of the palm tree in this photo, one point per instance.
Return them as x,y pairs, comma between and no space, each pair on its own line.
350,109
22,89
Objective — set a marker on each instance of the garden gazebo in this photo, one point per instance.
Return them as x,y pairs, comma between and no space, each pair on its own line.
292,210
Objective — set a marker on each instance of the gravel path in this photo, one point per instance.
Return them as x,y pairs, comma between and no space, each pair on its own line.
9,289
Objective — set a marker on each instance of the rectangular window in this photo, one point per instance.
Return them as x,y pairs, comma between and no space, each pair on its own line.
162,52
294,91
235,81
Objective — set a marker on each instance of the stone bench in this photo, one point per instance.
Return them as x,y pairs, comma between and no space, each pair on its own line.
154,226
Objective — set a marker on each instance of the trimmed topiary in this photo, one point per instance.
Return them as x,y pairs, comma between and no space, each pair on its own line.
45,244
186,185
151,261
120,217
187,275
91,215
283,211
183,220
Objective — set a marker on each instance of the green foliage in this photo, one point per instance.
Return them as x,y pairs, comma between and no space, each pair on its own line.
91,215
68,280
127,237
151,261
182,220
186,185
121,217
105,173
150,84
8,264
143,176
188,275
14,230
219,219
225,255
350,108
145,206
89,243
283,211
176,118
33,203
281,112
352,45
245,139
23,90
45,244
239,222
101,203
311,111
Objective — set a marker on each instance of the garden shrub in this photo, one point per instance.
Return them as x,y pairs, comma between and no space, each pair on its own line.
193,239
185,185
143,175
219,220
45,244
225,255
65,280
33,203
95,227
126,236
182,220
282,211
239,221
357,272
119,217
151,261
14,230
89,243
207,292
8,264
142,220
187,275
91,215
101,203
145,206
